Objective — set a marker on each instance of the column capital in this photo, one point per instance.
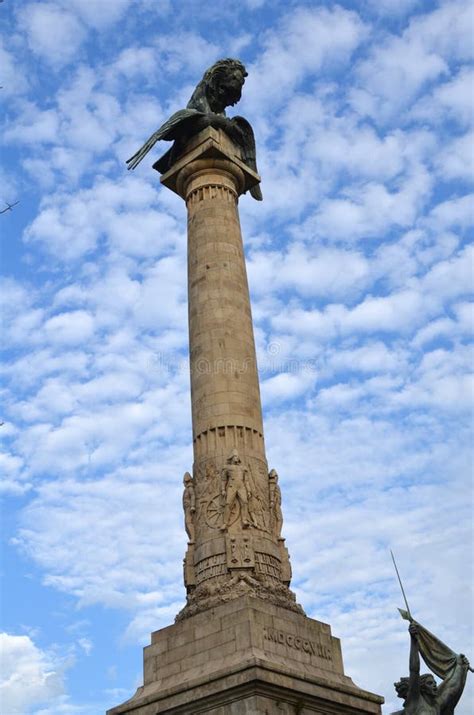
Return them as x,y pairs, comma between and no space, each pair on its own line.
210,150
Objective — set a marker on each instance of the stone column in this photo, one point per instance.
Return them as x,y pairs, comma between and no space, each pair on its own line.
237,546
224,382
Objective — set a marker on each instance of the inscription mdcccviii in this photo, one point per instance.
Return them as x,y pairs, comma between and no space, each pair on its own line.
291,641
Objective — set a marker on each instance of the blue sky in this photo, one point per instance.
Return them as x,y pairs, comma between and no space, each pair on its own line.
360,270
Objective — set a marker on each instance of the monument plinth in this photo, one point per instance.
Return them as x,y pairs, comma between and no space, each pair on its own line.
246,657
241,645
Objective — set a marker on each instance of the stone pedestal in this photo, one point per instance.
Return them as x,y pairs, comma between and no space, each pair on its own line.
246,657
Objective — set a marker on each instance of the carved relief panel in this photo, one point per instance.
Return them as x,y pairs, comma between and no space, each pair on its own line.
233,519
240,553
231,495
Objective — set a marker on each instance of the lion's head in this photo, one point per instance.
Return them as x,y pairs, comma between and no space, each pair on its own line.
220,87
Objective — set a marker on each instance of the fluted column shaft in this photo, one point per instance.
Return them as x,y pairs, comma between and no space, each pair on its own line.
225,392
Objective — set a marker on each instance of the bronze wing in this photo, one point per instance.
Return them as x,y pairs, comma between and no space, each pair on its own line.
172,129
246,140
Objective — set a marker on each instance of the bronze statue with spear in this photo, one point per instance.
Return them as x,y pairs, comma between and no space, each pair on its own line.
420,692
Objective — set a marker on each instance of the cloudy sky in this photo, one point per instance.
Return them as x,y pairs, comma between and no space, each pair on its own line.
360,271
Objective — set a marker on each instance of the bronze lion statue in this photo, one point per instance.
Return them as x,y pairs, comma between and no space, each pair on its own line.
220,87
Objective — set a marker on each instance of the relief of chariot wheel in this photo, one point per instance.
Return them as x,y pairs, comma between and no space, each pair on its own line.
215,512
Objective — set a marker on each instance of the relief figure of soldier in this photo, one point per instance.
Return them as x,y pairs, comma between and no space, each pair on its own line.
275,504
189,506
234,487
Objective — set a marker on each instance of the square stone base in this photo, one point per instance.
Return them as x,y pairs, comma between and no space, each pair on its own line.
246,657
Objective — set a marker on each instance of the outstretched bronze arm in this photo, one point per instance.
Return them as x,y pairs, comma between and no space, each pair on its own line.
414,681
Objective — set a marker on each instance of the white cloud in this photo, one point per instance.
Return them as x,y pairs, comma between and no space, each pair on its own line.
391,8
35,127
372,357
452,278
34,367
393,75
401,311
255,4
98,14
30,676
457,212
11,469
56,30
307,40
115,429
52,33
443,379
118,563
73,327
134,63
14,297
86,645
86,129
441,327
447,30
456,96
71,225
311,272
317,126
371,209
13,77
451,100
396,262
456,159
70,231
396,71
184,52
146,618
286,386
465,315
359,150
398,312
20,317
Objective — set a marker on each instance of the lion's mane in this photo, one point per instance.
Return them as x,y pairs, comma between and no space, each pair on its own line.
208,91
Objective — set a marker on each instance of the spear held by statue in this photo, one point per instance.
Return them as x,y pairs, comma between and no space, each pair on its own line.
437,656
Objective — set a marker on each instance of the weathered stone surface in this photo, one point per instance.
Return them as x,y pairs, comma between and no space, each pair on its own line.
232,504
248,654
242,645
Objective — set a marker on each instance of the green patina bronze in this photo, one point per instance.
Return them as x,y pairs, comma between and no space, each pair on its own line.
220,87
